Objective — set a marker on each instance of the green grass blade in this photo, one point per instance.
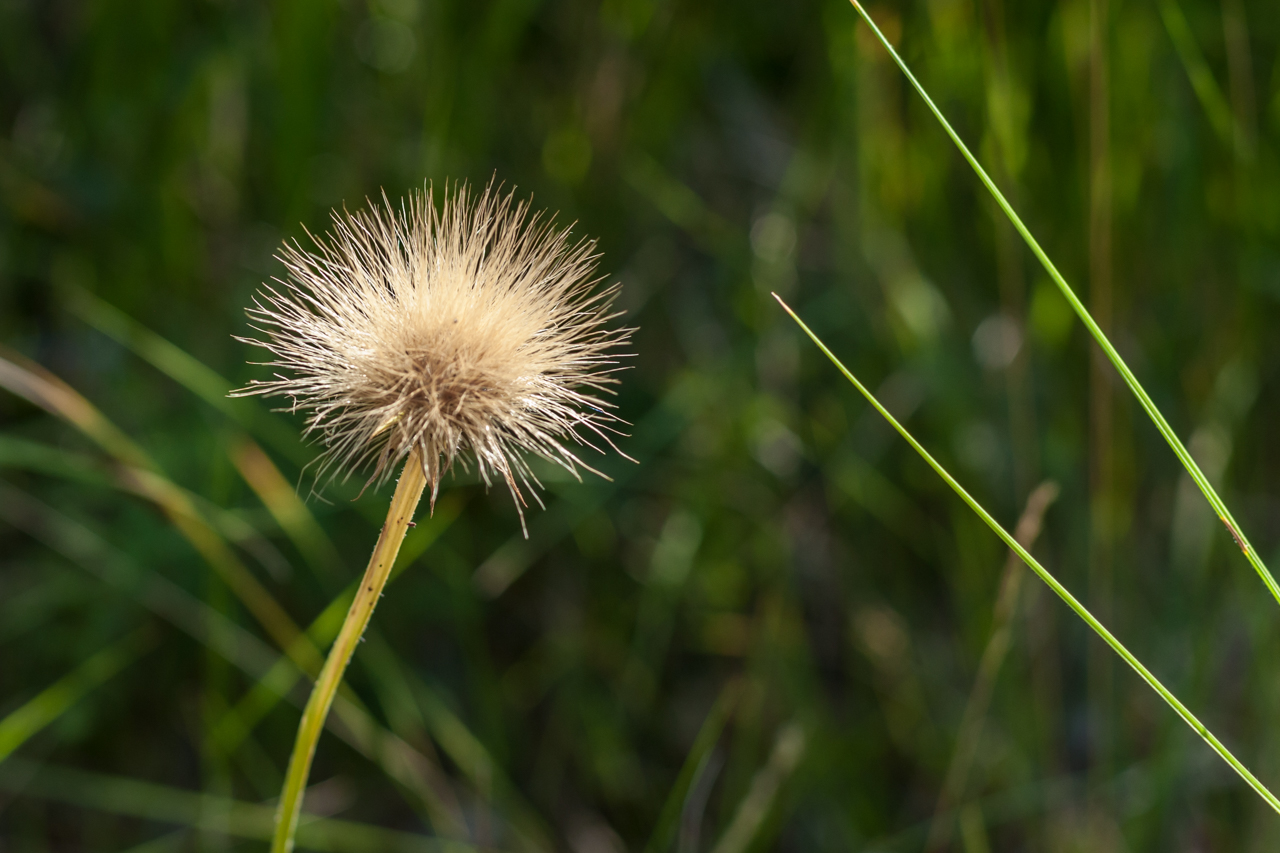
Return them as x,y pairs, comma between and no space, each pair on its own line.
56,699
276,682
1062,592
22,454
185,369
662,425
350,721
281,499
478,765
1206,88
204,812
28,455
1130,379
749,818
664,832
142,475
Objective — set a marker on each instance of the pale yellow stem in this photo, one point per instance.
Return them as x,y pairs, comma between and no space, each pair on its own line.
399,516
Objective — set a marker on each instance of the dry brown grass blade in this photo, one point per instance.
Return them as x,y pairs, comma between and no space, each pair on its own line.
137,472
427,785
142,475
191,523
282,501
40,387
970,732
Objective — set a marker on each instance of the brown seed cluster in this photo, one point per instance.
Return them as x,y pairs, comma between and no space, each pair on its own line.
475,330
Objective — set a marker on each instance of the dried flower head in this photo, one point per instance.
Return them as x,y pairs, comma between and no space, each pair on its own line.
473,330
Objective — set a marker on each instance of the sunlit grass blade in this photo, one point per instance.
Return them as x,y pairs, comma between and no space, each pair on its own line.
401,761
207,814
140,474
417,772
84,548
183,513
404,502
1061,591
1112,354
51,703
304,530
40,387
290,511
391,750
281,678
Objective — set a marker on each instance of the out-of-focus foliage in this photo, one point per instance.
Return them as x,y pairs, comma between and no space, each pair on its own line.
765,633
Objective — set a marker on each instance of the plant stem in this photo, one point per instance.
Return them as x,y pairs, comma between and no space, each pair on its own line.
403,503
1043,573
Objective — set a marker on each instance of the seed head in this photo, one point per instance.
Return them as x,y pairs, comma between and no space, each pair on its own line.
470,331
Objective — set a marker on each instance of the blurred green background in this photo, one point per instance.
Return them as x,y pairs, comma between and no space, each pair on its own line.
766,633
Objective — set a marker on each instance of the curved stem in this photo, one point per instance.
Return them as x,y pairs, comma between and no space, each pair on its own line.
403,503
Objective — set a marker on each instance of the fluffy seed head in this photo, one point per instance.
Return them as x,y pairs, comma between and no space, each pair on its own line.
473,331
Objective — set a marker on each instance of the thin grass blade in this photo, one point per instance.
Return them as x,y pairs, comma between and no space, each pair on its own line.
87,470
664,830
1061,591
240,719
290,512
477,764
1112,354
1203,83
999,642
183,368
350,721
26,455
141,474
748,820
203,812
55,700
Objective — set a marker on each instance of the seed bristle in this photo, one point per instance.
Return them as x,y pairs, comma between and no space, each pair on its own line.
472,330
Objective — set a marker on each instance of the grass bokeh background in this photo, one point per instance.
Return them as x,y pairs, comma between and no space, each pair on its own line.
778,572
